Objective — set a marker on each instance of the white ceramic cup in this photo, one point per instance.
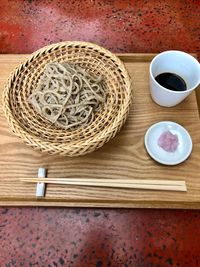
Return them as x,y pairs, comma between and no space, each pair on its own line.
177,62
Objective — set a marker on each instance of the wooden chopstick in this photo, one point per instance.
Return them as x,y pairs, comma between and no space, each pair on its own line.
115,183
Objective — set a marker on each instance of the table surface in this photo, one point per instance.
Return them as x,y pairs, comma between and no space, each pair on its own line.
123,157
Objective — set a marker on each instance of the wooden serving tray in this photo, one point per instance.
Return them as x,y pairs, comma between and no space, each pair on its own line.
124,156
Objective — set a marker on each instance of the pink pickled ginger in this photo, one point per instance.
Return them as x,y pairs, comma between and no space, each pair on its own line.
168,141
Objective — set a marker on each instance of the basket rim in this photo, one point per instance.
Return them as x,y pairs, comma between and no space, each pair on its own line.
36,141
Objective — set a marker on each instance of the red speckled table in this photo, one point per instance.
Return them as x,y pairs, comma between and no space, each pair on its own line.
53,237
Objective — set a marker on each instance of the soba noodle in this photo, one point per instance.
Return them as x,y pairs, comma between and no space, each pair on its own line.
68,96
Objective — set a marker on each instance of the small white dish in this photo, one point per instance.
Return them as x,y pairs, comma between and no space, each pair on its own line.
183,150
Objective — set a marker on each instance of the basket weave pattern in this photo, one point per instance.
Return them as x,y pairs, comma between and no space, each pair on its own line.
38,132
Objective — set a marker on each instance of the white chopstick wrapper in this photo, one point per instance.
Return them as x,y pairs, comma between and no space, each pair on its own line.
40,187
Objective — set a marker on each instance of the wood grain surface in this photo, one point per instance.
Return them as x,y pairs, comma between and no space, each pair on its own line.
123,157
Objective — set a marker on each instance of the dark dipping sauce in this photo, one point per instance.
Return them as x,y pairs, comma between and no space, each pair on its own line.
171,81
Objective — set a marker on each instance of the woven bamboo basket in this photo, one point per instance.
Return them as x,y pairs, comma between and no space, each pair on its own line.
38,132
